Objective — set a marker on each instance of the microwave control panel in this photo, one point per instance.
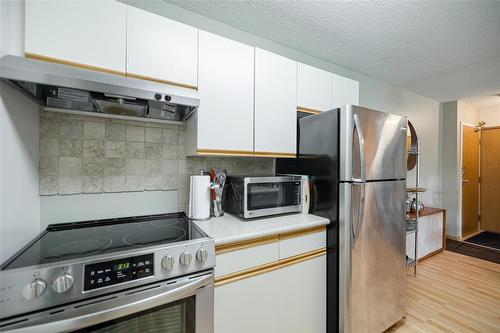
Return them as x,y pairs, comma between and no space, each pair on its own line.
109,273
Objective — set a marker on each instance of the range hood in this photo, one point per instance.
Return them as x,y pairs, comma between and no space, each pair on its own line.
70,89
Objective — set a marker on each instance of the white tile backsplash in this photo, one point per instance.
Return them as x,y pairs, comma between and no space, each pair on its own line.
96,155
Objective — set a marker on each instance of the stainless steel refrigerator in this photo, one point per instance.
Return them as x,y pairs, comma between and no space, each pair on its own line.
356,161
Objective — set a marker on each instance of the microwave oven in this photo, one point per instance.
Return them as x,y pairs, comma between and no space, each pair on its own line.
257,196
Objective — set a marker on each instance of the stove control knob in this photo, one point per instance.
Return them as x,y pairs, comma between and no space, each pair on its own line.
202,255
167,262
63,283
34,289
185,258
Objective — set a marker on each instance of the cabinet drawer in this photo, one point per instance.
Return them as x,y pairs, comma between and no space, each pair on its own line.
302,242
231,261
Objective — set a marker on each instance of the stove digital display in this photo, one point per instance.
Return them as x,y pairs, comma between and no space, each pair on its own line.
104,274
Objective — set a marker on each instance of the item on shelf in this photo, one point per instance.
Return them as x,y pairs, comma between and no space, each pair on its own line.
412,147
416,189
218,179
414,205
199,197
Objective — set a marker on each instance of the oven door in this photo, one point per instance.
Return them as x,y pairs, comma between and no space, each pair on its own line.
184,305
266,196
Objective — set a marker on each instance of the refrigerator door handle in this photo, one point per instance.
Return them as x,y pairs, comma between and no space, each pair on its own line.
361,142
360,215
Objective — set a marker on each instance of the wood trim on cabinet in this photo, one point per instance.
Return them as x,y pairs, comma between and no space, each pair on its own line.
274,154
246,273
224,152
261,269
149,78
219,249
246,244
302,232
302,257
307,110
72,63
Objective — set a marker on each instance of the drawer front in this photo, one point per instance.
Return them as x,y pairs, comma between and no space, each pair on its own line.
229,262
296,244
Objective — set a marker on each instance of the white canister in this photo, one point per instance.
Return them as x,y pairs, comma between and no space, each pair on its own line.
199,198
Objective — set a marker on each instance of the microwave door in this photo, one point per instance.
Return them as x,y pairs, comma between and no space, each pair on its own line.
267,198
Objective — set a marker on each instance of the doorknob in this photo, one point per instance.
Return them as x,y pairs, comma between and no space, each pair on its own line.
465,181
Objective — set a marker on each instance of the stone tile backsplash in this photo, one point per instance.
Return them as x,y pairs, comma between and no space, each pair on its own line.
80,154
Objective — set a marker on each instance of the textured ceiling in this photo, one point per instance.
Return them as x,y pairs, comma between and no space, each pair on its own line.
484,102
445,50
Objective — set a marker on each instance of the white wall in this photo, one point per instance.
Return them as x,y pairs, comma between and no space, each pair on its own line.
19,200
490,115
454,114
422,111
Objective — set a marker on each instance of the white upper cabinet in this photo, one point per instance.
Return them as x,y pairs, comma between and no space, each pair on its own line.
224,119
275,105
314,89
344,91
160,49
90,33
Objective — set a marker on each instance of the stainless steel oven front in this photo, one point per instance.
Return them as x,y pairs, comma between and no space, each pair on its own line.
184,304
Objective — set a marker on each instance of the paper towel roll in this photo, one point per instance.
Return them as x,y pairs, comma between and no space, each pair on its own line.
199,197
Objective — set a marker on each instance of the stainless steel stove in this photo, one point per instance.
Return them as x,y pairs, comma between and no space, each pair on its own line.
111,275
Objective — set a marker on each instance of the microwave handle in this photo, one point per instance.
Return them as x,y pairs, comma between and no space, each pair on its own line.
97,313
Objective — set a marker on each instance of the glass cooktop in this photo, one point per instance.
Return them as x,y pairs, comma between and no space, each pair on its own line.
75,240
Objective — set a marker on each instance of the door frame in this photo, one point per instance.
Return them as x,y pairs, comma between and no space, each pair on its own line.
459,178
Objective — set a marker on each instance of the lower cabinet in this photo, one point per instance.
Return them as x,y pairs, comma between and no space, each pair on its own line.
431,234
248,305
302,296
284,291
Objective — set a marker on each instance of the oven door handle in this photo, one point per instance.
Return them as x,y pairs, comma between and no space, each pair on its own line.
110,309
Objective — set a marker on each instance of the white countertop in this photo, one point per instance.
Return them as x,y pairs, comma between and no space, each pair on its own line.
230,229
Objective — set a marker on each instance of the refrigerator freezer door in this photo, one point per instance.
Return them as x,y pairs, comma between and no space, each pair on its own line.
371,256
382,148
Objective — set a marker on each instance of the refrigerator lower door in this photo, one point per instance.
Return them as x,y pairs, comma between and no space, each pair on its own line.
371,255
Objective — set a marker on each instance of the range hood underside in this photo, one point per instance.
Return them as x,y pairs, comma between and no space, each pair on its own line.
66,88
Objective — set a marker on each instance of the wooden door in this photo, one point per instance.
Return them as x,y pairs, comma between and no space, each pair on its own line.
470,180
490,179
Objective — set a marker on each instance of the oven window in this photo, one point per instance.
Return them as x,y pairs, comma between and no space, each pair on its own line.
176,317
272,195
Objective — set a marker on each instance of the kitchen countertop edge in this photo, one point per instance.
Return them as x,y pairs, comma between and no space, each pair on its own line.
229,229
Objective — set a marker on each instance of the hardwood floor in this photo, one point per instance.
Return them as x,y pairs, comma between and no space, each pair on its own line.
452,293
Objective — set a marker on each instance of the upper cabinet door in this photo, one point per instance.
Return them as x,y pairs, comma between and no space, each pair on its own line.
160,49
344,91
91,34
275,105
314,89
225,85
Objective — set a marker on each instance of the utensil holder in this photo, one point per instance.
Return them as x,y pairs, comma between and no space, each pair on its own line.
217,208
